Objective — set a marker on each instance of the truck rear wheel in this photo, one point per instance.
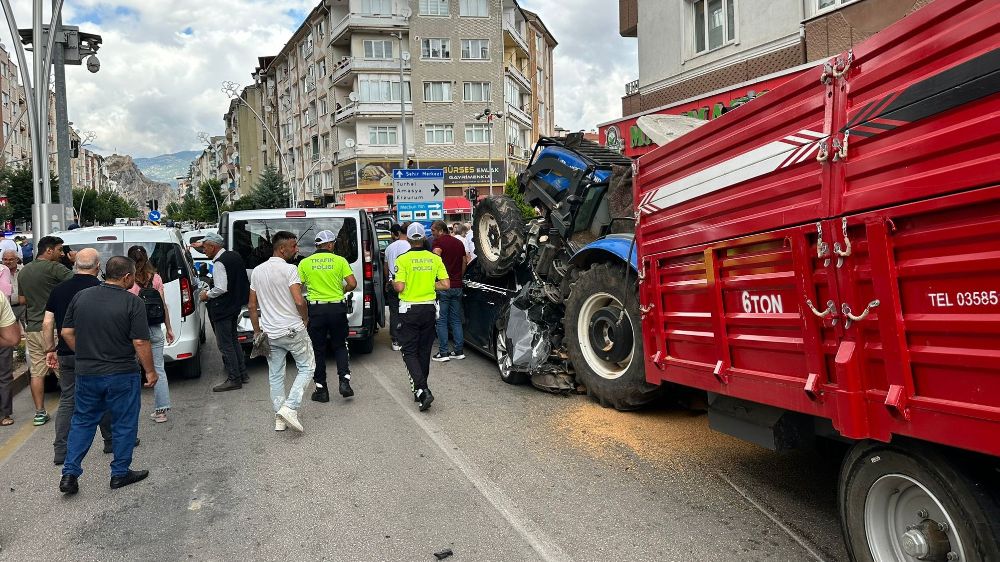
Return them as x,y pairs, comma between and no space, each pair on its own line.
604,337
499,235
914,502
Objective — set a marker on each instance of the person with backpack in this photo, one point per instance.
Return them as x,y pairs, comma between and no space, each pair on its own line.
149,287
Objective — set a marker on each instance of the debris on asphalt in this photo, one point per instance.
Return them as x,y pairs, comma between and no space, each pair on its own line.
441,555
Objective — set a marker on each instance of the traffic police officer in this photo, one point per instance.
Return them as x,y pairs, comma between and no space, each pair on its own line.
327,278
419,274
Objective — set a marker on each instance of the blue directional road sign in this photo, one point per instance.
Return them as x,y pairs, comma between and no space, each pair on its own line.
154,216
419,194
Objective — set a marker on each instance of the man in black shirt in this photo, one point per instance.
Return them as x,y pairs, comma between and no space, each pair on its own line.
106,327
225,300
60,357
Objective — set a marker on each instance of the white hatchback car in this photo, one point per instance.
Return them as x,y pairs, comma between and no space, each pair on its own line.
166,251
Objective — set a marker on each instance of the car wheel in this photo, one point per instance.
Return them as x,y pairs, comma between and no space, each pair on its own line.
499,235
505,362
916,502
604,338
189,368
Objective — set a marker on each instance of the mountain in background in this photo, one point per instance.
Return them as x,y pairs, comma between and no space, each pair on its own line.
134,184
166,167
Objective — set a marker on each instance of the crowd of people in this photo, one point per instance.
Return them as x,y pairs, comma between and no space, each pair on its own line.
101,328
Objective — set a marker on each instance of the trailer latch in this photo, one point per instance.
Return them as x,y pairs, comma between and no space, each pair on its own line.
812,386
895,400
719,374
658,360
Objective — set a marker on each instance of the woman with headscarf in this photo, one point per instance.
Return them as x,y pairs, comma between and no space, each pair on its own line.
147,277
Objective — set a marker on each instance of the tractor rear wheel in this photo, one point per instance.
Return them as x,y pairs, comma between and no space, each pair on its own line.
499,235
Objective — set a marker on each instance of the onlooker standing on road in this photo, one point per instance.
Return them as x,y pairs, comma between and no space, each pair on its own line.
27,248
278,309
60,356
34,283
393,251
146,277
106,327
10,336
327,278
13,265
470,244
230,291
452,252
418,274
8,244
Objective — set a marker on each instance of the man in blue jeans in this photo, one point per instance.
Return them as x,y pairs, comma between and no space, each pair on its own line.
452,252
106,327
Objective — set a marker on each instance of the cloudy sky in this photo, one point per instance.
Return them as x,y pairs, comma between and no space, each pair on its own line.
163,62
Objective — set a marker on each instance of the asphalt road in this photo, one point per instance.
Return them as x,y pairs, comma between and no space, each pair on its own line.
492,472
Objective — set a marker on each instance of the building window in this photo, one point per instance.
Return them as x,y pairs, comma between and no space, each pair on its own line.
476,91
434,8
326,143
382,136
315,148
437,91
474,8
824,4
439,134
321,68
378,49
476,49
478,133
714,24
378,89
376,7
322,106
320,29
435,48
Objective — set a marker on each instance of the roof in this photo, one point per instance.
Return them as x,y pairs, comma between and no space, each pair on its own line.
533,18
304,212
87,234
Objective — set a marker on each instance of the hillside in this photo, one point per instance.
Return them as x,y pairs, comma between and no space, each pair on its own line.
134,184
166,167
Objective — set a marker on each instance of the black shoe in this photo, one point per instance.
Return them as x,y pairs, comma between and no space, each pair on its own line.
425,400
245,379
110,448
68,484
59,461
321,394
227,385
345,388
130,477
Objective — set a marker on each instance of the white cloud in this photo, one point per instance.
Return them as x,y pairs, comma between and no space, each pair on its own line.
163,63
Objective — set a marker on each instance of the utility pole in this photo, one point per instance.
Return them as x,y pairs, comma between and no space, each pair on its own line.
402,99
40,218
62,119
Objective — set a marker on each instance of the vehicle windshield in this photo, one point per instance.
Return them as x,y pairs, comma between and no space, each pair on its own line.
251,238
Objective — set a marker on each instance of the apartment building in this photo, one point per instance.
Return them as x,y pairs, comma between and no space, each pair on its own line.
87,169
361,78
246,142
208,164
15,139
704,57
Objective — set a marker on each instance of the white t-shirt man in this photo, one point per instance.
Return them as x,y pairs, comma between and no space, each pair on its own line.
393,251
470,246
271,281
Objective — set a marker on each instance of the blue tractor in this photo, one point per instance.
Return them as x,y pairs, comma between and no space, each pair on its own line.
574,321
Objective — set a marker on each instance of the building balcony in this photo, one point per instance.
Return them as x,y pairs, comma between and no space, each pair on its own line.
340,34
632,88
355,110
373,151
518,76
346,66
519,115
512,38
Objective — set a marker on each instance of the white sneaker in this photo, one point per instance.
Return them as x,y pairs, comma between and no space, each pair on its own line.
290,416
279,424
396,346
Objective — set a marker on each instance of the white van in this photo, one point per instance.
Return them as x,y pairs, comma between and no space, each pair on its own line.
180,284
248,233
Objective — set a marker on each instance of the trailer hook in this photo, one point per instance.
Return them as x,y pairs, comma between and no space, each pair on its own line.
840,148
838,71
827,74
846,309
823,154
822,248
846,250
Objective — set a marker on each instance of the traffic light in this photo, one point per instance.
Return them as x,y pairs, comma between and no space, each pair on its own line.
156,204
153,204
74,148
472,194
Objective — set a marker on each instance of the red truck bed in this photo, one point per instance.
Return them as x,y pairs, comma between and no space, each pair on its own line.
874,189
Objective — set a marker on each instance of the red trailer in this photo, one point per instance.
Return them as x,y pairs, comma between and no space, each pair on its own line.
829,265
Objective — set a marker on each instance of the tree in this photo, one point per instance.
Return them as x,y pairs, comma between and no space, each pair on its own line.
211,198
103,207
16,184
174,212
511,190
270,191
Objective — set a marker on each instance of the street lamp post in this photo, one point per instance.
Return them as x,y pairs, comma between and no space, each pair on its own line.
488,114
403,56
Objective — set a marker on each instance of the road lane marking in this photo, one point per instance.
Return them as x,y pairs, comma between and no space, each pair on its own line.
546,548
11,446
795,536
